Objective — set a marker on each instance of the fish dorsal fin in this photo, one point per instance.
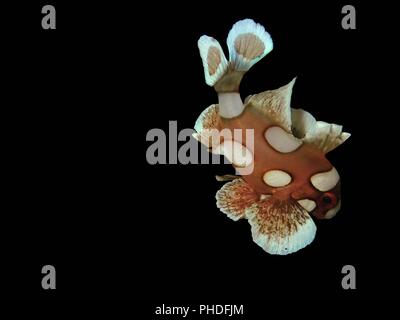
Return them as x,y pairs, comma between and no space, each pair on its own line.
324,136
302,122
208,125
208,119
275,104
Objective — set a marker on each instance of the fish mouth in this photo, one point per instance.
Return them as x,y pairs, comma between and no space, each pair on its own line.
323,213
311,207
333,211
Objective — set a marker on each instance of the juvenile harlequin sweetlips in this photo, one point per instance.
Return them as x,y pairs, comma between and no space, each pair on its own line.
290,176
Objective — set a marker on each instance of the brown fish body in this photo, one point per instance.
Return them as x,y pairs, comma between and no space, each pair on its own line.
301,164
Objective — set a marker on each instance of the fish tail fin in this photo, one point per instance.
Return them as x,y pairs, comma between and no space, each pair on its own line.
214,60
248,43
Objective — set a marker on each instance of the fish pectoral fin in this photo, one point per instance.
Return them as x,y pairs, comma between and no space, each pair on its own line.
280,227
235,197
226,177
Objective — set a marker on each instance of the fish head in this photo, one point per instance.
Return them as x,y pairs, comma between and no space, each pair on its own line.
327,203
320,194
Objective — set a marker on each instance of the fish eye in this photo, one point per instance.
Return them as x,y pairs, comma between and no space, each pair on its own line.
329,198
326,199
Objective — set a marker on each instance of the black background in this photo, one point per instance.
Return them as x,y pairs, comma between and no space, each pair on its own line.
79,194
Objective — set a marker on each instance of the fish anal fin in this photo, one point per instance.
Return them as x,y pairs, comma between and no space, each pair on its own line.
280,227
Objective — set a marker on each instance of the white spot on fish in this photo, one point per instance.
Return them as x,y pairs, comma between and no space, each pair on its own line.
281,141
264,197
277,178
307,204
235,152
325,181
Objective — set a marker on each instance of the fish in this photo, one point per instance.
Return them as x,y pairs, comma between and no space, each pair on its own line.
290,179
